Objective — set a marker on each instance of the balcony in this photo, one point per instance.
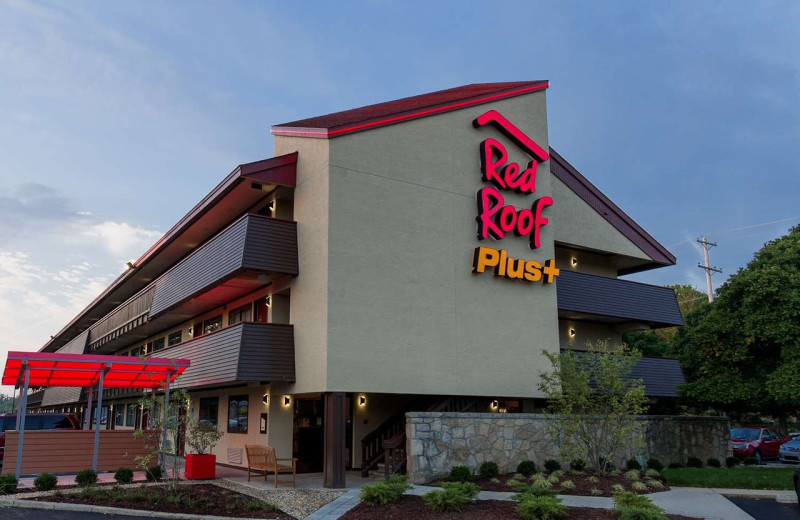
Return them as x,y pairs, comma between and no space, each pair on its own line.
245,352
596,298
238,260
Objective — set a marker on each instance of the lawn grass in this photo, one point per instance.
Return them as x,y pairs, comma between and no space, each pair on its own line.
736,478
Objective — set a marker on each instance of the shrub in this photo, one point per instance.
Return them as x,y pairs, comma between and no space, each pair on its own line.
633,464
694,462
453,497
653,473
731,462
568,484
542,482
497,481
750,461
86,477
593,479
488,470
552,465
639,485
675,465
628,499
617,488
154,473
534,491
124,475
8,484
384,492
655,484
606,465
639,513
713,463
595,492
460,473
541,508
632,474
655,464
45,482
577,464
526,467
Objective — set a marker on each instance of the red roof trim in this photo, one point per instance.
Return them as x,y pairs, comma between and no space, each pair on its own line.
402,116
612,213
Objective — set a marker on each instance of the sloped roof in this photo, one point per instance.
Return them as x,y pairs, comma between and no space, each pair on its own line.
661,377
400,110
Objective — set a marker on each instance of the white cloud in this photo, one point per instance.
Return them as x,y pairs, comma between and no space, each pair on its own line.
124,241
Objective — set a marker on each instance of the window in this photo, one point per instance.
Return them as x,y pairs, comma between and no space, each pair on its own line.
174,338
243,313
157,345
197,329
209,409
212,324
136,352
119,415
237,414
130,414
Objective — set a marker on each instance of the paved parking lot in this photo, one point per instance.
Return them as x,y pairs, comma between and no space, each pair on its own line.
17,513
767,508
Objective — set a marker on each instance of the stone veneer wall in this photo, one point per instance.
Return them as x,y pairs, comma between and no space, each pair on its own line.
437,441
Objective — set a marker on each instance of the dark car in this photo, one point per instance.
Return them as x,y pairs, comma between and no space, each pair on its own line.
756,442
36,421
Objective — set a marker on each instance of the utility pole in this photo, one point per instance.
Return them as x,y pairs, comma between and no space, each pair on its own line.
707,267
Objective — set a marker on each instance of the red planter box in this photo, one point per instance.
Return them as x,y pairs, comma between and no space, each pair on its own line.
201,467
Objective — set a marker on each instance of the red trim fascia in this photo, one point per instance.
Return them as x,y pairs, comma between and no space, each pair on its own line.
328,133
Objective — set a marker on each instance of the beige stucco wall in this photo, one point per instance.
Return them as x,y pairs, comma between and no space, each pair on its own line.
309,290
587,332
591,263
405,312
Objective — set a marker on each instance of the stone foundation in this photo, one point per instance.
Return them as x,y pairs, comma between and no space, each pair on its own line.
438,441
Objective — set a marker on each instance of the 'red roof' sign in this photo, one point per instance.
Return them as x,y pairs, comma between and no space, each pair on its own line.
54,369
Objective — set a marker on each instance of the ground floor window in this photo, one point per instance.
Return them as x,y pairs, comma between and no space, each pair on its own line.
130,414
237,414
119,414
209,409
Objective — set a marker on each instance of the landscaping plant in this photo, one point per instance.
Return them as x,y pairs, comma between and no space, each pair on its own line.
8,484
163,434
488,470
384,492
45,482
630,506
86,477
594,405
713,463
460,473
731,462
577,464
654,464
694,462
526,467
123,475
453,497
544,507
202,436
552,465
154,473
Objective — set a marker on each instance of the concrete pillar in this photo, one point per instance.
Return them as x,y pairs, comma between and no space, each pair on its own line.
334,426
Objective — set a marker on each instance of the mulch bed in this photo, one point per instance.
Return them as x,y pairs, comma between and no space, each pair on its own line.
198,499
413,508
583,487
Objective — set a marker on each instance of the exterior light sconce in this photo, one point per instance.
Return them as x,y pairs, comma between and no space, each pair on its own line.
362,400
572,332
265,399
268,301
573,262
494,405
287,400
271,205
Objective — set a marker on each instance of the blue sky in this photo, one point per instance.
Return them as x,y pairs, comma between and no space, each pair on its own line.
117,117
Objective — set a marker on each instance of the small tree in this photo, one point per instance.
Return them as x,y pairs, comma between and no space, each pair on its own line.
202,436
593,404
158,446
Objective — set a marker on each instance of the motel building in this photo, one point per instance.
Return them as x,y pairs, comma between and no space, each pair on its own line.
414,255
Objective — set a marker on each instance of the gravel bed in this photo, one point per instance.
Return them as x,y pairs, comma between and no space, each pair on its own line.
297,502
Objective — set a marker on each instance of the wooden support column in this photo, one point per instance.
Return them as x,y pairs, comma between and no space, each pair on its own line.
335,418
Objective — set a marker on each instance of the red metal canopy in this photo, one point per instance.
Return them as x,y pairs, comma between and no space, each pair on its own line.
53,369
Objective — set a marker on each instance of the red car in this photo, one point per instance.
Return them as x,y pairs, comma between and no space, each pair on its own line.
36,421
756,442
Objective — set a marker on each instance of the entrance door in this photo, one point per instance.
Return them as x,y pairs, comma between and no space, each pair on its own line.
307,445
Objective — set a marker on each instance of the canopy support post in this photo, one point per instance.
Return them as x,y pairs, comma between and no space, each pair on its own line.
23,405
88,419
97,418
164,429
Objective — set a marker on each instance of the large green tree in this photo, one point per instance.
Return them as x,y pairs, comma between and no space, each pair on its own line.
657,342
742,352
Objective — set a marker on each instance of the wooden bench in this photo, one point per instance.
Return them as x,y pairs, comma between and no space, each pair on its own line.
265,459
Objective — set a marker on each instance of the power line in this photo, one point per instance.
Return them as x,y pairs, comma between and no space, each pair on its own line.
732,230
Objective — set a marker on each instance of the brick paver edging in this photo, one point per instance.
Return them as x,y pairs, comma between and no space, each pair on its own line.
84,508
337,508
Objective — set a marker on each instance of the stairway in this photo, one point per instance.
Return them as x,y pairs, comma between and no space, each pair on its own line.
383,450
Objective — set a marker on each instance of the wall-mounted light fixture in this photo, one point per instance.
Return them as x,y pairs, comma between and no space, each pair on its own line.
494,405
362,400
268,301
287,400
265,398
574,261
271,205
572,332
